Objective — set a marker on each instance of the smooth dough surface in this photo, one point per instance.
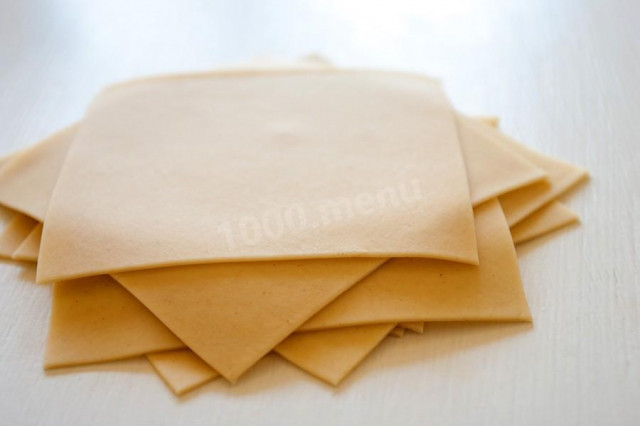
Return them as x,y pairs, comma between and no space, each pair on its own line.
331,355
28,178
184,370
16,231
429,290
561,177
275,274
504,302
231,315
181,370
96,320
492,169
209,153
176,275
206,317
29,248
549,218
187,361
398,331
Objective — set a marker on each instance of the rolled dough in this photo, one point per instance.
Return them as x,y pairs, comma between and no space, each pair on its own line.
29,248
429,290
95,320
549,218
248,148
398,331
231,315
182,370
28,178
561,177
331,355
16,231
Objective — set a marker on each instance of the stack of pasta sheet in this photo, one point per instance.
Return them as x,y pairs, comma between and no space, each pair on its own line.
204,221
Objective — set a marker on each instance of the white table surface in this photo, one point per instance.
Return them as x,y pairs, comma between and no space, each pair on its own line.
564,76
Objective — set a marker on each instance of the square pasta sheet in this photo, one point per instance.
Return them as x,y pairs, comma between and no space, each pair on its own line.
285,143
486,185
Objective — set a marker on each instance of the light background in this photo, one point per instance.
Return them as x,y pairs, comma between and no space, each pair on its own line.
563,77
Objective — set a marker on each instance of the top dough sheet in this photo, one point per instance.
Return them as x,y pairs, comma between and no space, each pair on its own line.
260,166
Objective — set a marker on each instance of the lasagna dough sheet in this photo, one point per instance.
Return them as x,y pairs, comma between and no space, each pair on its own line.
533,170
492,169
16,231
415,326
29,248
429,290
28,178
175,275
96,320
202,163
561,177
191,282
231,315
331,355
398,331
265,349
182,370
246,334
549,218
185,370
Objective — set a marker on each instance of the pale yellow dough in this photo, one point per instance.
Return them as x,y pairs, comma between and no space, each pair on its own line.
551,217
239,343
561,177
29,248
329,355
176,274
229,364
204,152
332,354
180,363
508,299
275,276
415,326
96,320
547,219
398,331
182,370
533,169
16,231
231,315
492,169
28,178
430,290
